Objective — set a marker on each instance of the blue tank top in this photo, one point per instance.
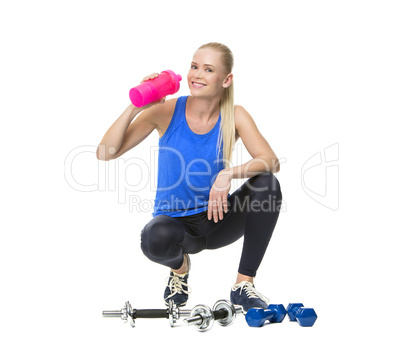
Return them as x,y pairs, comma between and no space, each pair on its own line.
188,165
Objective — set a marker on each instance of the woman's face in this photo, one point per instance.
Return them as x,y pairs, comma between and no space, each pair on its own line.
206,76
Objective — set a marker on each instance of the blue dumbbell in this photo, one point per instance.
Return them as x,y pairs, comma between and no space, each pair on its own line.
256,317
303,315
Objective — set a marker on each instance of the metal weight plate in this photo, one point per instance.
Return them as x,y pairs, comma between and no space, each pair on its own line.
229,307
173,313
207,317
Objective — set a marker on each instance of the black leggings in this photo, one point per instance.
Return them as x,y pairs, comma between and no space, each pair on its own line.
253,210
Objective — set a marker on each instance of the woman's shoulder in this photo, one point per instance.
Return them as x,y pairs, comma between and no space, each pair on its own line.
243,120
241,115
239,110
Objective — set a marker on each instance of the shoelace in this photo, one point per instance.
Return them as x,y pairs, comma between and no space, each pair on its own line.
251,291
175,285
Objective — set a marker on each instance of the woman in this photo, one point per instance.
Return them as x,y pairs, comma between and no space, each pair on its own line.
193,208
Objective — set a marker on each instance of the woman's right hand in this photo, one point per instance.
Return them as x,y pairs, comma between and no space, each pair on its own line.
160,101
150,77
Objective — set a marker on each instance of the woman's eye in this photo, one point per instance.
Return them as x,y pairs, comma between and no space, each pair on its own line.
193,67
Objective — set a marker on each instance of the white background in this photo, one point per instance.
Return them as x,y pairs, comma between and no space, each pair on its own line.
313,74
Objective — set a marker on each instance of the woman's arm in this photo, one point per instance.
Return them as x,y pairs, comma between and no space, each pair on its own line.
264,158
113,139
124,134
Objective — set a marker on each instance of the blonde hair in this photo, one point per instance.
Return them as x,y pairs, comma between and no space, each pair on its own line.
227,126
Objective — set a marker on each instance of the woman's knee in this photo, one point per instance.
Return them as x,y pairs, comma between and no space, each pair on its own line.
159,237
265,182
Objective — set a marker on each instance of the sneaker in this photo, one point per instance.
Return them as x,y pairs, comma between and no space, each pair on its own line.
245,295
177,289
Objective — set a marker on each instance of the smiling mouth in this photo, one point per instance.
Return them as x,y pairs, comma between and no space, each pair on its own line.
198,84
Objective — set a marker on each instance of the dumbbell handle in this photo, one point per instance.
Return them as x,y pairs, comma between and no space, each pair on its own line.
197,319
269,314
139,314
148,313
157,313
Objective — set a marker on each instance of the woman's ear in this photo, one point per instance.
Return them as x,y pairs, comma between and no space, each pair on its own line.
228,81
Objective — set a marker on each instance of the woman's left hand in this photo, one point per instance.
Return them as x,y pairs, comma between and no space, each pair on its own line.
218,196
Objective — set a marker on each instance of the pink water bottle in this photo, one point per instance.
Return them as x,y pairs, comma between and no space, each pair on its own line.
167,83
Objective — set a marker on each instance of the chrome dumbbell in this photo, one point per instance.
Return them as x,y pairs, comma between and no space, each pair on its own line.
128,314
203,318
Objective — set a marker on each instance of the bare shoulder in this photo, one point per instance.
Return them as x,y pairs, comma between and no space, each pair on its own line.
243,120
253,140
242,116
